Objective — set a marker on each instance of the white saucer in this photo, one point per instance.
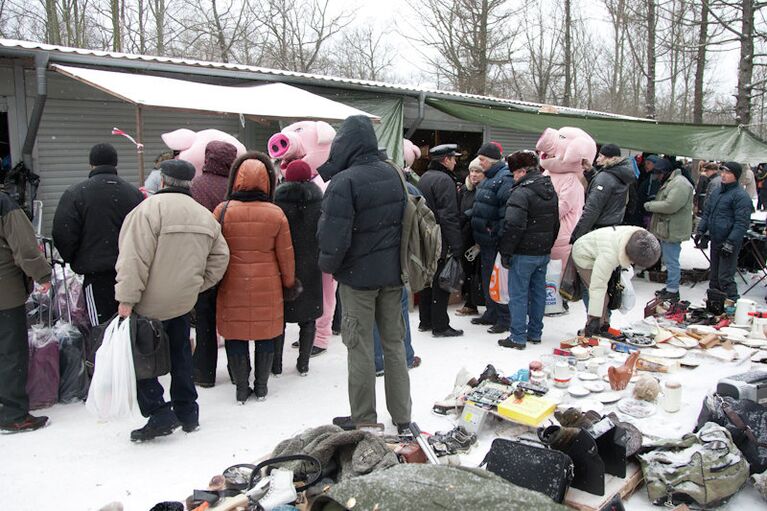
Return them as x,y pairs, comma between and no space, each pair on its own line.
595,386
636,408
584,376
578,391
610,397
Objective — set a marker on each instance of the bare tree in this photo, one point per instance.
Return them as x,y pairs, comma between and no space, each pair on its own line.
363,53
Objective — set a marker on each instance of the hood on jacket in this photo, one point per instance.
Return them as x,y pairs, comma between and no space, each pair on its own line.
219,157
469,185
354,140
298,192
538,183
622,170
252,172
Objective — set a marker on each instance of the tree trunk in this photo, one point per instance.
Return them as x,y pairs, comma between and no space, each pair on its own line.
220,34
568,54
52,25
114,11
650,90
700,65
141,28
159,25
746,64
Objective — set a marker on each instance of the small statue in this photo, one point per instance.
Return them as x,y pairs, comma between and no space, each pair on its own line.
621,375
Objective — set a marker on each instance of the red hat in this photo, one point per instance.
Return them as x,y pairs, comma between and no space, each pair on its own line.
298,170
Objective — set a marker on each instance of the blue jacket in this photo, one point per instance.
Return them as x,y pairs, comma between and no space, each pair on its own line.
489,210
727,214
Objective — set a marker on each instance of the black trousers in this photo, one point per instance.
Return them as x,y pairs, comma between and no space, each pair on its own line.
206,351
14,363
723,270
99,291
432,304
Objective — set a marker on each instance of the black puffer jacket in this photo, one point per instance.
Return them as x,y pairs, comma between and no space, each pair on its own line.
88,219
438,187
490,204
606,198
467,193
302,204
532,217
360,228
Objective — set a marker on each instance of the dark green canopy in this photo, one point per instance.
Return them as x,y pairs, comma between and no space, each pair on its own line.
702,141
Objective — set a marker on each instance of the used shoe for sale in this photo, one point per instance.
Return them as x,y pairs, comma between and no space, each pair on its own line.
281,490
666,295
152,430
448,332
466,311
508,343
26,423
481,321
453,402
497,329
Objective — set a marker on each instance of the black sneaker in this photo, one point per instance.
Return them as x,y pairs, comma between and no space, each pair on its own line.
422,327
190,426
667,296
404,428
317,351
448,332
497,329
481,321
508,343
152,430
26,423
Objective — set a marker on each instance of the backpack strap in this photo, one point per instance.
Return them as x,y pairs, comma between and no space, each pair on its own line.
223,213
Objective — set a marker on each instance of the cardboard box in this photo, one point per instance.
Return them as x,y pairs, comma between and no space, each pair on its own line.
530,410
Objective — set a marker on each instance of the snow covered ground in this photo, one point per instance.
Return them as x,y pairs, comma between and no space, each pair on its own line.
79,464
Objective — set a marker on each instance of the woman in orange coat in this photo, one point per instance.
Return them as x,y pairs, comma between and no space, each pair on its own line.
250,297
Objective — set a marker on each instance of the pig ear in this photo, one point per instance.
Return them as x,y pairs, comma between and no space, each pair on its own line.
325,133
179,140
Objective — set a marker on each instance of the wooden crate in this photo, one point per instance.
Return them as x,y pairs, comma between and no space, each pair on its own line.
583,501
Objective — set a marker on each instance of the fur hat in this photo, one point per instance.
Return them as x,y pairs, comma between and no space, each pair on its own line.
643,249
298,170
474,165
103,154
734,167
610,150
178,169
521,159
219,157
490,150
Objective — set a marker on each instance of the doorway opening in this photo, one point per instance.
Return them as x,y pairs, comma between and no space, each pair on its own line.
468,144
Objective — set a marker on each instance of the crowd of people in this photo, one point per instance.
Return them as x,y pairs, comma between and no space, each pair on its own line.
246,249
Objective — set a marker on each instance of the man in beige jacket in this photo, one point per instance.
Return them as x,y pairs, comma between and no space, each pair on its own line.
171,249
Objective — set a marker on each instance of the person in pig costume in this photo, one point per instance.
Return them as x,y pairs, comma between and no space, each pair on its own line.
564,153
191,145
310,141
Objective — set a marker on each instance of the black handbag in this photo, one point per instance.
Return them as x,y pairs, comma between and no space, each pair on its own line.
615,290
451,276
531,465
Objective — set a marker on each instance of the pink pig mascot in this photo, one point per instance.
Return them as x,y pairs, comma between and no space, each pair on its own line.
310,141
192,145
561,153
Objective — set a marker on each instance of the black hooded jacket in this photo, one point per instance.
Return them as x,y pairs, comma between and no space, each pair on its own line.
88,219
439,190
606,198
532,217
360,229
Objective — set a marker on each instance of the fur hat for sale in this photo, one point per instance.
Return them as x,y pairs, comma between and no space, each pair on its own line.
643,249
521,159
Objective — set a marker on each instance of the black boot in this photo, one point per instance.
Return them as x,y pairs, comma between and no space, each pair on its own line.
279,342
305,343
240,371
262,369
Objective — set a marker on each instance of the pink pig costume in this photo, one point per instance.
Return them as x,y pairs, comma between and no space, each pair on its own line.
192,145
310,141
561,152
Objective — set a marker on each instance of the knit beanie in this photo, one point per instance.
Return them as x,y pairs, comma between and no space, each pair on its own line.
298,170
490,150
610,150
178,169
219,157
643,249
735,168
521,159
103,154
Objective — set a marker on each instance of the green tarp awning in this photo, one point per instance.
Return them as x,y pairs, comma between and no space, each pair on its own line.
702,141
389,109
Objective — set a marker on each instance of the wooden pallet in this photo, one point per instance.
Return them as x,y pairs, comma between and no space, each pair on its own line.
624,487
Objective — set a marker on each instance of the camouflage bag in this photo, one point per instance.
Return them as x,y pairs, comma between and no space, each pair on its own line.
703,469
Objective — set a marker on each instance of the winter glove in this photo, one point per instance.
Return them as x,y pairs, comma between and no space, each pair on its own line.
701,241
727,249
593,325
505,261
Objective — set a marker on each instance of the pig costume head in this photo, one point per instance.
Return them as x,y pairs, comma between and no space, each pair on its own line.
411,152
562,150
304,140
192,145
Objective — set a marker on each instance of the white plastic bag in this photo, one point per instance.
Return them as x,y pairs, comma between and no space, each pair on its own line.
112,394
629,297
499,282
553,278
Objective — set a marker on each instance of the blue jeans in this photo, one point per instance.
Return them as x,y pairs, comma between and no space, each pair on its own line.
183,394
409,354
498,314
527,296
670,253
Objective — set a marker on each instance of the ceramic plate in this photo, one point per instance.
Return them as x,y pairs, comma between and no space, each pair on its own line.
610,397
583,376
578,391
734,334
636,408
683,342
703,329
754,343
595,386
665,352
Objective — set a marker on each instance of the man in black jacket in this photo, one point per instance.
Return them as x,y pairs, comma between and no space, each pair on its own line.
607,193
86,227
359,233
438,187
532,225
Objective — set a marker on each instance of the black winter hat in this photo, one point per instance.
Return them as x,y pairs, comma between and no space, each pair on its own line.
610,150
178,169
103,154
643,249
735,168
521,159
490,150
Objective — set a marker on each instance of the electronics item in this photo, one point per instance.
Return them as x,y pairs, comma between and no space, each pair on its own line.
751,385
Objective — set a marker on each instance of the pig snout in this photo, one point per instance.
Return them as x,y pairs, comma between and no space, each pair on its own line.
285,146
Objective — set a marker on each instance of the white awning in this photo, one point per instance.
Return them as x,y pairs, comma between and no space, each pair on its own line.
268,101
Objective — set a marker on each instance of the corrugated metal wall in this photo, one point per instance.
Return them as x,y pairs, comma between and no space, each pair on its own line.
513,140
77,116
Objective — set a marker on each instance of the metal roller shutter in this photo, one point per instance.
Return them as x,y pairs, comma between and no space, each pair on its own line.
513,140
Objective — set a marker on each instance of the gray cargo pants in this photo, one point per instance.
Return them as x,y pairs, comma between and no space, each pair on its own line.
361,310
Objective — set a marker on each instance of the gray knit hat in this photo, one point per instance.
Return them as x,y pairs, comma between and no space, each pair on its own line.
643,249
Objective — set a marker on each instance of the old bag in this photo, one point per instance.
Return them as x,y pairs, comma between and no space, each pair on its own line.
149,344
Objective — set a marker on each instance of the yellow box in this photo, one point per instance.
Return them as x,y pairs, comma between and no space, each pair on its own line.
530,410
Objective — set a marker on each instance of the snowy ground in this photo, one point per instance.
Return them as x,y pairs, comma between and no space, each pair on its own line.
79,464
